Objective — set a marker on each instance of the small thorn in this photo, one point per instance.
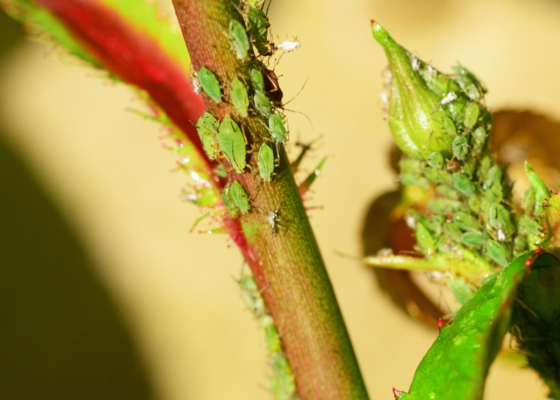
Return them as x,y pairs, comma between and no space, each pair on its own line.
528,262
439,324
397,393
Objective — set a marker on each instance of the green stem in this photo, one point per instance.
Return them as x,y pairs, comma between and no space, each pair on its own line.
285,261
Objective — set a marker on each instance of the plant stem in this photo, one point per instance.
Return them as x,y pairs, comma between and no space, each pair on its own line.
285,261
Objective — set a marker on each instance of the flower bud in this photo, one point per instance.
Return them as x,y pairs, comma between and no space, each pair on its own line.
417,120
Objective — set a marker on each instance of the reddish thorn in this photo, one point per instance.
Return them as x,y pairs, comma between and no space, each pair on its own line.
397,393
539,250
440,324
528,262
373,22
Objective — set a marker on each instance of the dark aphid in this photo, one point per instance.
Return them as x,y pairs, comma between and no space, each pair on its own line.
453,165
272,87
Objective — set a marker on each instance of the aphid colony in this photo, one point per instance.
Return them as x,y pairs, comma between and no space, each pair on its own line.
255,95
471,204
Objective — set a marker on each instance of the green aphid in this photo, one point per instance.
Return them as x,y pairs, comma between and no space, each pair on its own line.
257,80
480,136
425,240
466,222
520,243
538,185
238,39
529,226
239,97
436,160
484,166
262,104
221,171
251,292
471,115
230,205
232,144
497,253
468,168
452,231
457,109
437,175
434,223
277,129
282,383
210,84
444,206
207,127
409,165
449,126
239,197
463,184
461,290
529,201
258,30
500,219
475,239
413,180
474,204
460,147
272,338
494,174
448,191
468,83
266,162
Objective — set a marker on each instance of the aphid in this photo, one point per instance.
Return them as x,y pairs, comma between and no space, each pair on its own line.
460,147
239,197
239,97
494,174
449,126
266,162
453,232
277,129
480,135
409,165
468,83
500,219
425,239
471,115
463,184
257,80
415,63
210,84
520,243
207,127
232,144
273,220
289,46
453,165
451,96
258,30
468,168
466,221
538,185
461,290
475,239
272,87
497,253
444,206
529,200
262,104
435,160
230,205
437,175
448,191
238,39
413,180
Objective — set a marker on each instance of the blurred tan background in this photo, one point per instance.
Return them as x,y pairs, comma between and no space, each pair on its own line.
106,294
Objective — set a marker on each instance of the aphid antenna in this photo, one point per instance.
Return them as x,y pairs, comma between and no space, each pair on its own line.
305,115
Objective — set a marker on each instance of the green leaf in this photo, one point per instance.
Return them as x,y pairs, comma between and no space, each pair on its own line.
537,326
456,365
